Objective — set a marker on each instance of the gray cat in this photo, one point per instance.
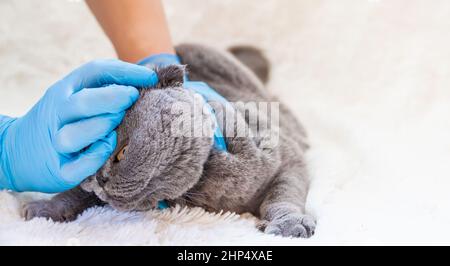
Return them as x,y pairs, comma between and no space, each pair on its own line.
150,164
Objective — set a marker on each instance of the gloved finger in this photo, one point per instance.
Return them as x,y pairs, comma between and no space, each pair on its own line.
90,161
105,72
76,136
210,95
97,101
206,91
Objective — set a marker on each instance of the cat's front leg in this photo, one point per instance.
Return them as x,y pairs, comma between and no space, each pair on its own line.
282,210
64,207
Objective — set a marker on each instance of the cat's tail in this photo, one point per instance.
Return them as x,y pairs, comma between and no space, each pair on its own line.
254,59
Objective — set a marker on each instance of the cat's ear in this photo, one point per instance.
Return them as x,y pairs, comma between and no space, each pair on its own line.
170,76
254,59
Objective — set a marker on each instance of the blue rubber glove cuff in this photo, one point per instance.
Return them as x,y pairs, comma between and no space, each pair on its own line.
5,180
162,204
208,94
160,60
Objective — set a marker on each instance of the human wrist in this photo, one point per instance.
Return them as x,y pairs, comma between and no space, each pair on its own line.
133,48
137,44
5,178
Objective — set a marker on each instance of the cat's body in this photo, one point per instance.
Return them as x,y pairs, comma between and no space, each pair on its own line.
257,175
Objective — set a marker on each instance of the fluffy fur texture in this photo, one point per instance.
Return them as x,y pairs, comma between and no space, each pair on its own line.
152,164
106,226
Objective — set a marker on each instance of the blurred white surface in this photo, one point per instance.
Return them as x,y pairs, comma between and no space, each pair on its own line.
369,79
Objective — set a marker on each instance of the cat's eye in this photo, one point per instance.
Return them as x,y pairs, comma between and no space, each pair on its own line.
122,153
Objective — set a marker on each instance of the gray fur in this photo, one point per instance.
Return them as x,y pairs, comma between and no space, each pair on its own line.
253,59
270,181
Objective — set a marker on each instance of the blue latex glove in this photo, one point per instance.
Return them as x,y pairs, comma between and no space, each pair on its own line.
208,93
69,134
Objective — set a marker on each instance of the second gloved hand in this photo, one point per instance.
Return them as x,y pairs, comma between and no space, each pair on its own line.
208,93
69,134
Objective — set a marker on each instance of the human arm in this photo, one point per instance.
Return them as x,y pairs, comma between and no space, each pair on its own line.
137,29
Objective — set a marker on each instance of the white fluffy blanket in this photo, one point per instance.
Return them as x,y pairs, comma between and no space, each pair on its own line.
369,79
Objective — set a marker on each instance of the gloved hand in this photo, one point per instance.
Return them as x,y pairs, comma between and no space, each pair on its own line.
208,93
69,134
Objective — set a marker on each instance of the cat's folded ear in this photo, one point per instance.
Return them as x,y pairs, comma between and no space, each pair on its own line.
170,76
254,59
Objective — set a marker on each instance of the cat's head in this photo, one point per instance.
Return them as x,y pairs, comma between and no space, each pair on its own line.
162,145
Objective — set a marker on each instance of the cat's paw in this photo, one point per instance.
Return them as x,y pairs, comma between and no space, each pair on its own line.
47,209
292,225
